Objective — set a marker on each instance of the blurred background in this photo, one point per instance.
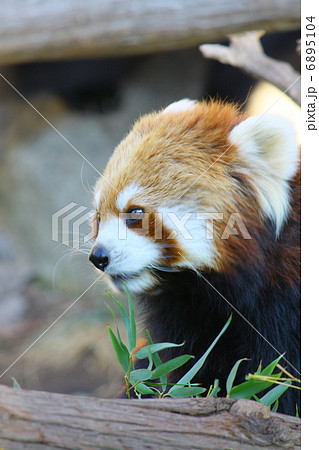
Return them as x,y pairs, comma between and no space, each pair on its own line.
92,103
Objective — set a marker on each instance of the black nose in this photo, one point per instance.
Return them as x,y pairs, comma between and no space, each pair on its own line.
99,258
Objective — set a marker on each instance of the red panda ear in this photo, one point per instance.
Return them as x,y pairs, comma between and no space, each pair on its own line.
268,145
270,139
182,105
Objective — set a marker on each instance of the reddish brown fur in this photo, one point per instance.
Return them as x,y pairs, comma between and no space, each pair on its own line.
165,144
187,158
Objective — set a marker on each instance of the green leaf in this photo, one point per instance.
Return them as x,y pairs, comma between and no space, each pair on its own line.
232,375
132,330
157,361
275,407
123,346
196,367
215,389
154,348
250,388
170,365
140,375
15,384
254,386
271,367
143,389
273,395
258,371
191,391
122,354
124,315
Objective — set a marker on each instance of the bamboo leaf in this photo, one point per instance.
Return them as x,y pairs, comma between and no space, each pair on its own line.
170,365
117,328
275,407
271,367
232,375
250,388
154,348
124,315
191,391
273,395
197,366
122,354
157,361
132,330
140,375
15,384
143,389
215,389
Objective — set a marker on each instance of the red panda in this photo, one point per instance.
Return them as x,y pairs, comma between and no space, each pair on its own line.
198,212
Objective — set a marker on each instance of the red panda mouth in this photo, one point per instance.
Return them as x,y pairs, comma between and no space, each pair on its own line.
119,278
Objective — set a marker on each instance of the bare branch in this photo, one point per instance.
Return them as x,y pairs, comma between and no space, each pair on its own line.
245,52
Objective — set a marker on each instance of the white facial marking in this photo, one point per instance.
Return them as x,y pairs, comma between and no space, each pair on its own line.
141,282
191,234
126,195
182,105
127,256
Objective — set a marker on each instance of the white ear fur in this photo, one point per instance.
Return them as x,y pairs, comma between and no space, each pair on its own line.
269,145
182,105
97,197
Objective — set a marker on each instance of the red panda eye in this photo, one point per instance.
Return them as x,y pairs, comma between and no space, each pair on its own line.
135,216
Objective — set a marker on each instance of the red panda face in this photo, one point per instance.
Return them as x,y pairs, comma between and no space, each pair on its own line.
190,188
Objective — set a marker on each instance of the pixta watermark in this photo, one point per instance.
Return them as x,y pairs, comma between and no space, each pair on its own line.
70,225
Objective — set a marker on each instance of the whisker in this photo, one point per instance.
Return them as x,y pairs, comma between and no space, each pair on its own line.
56,266
88,188
86,252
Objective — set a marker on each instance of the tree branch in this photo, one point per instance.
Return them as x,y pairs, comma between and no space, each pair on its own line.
245,51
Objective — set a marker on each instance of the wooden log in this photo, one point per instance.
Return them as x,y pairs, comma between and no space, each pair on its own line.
40,420
47,30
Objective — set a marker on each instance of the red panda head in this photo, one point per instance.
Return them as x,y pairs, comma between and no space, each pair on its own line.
191,187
